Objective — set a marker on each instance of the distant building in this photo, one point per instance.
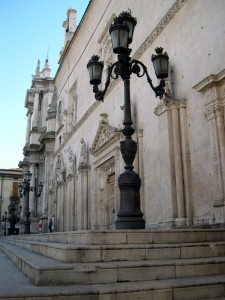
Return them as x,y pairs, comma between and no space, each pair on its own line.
9,195
73,141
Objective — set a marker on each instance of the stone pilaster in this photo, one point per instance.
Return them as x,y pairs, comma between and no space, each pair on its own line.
35,114
83,172
175,161
47,208
213,88
28,128
60,207
70,208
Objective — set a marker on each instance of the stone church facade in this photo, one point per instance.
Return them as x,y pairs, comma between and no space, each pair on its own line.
73,141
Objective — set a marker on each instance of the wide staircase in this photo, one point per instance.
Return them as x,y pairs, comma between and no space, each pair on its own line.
126,264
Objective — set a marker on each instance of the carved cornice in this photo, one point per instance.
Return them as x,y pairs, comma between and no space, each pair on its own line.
210,81
31,148
219,203
47,137
24,164
160,27
213,88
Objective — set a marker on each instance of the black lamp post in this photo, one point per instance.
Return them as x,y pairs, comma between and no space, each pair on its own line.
121,32
4,219
24,190
14,216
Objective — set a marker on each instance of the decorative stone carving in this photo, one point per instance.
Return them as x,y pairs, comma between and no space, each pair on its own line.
105,136
51,179
106,52
159,28
59,171
83,152
72,107
71,170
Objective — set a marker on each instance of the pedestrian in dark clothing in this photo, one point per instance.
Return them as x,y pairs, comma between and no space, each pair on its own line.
50,225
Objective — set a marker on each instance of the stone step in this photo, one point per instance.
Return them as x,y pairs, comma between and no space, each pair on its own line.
46,271
95,253
145,236
196,288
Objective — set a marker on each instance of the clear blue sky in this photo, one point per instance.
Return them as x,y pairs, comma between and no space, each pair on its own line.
29,29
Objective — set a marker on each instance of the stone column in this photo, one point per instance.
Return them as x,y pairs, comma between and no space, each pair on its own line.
83,170
70,190
64,205
60,207
186,162
45,197
29,114
60,194
221,139
35,111
47,200
70,208
83,174
178,162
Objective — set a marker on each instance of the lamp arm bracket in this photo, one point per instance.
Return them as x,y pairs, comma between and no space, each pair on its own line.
140,70
99,95
32,189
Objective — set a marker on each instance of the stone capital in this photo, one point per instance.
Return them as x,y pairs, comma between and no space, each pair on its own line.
168,104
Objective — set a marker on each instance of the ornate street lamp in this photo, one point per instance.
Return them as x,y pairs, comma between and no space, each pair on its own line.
121,32
24,190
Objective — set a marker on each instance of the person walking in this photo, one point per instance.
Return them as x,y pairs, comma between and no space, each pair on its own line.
50,225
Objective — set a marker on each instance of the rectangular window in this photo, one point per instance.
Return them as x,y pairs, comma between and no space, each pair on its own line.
15,189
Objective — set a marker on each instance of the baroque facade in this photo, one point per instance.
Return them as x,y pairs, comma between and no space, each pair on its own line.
72,141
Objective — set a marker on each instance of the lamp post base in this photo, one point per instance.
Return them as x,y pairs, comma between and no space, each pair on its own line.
130,215
27,227
129,223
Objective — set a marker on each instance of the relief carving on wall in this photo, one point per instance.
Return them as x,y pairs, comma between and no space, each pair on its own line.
60,170
71,169
106,135
51,179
